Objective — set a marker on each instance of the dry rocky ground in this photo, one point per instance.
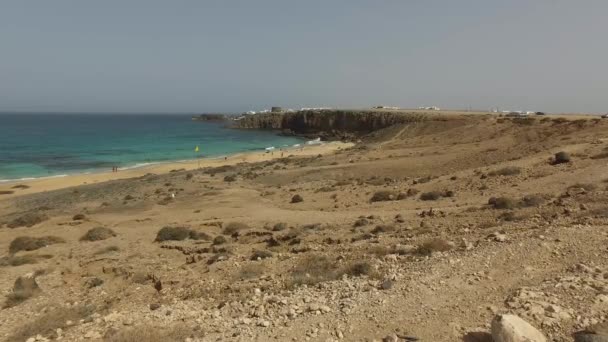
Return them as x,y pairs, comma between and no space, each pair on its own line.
418,232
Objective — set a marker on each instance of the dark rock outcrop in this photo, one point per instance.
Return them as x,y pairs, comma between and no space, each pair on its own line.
327,124
211,117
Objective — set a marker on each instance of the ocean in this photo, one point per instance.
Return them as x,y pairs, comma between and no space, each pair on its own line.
44,145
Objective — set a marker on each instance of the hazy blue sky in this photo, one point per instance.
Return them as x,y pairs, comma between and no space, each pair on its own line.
195,56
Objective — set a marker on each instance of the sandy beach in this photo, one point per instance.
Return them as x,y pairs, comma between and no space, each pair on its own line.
54,183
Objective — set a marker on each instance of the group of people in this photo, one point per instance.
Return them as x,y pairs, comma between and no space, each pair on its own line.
114,168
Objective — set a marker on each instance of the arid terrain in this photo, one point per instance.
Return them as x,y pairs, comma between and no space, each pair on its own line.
422,230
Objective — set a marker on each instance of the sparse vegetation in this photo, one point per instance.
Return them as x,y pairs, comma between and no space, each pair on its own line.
230,178
251,270
27,220
234,227
24,288
584,186
313,269
383,228
533,200
561,157
20,186
6,192
146,333
506,171
98,234
47,324
28,243
384,195
173,234
18,260
219,240
297,199
431,196
358,269
502,203
79,217
435,245
279,227
108,249
196,235
258,255
362,221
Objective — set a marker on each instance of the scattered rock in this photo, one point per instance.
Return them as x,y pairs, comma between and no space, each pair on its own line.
511,328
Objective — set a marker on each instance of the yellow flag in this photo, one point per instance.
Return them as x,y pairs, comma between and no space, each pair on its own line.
196,149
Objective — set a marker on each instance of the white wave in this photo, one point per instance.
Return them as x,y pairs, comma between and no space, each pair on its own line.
16,180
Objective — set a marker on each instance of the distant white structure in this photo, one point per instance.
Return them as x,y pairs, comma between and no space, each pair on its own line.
314,108
429,108
385,107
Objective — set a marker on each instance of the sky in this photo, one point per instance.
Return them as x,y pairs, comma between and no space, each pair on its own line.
196,56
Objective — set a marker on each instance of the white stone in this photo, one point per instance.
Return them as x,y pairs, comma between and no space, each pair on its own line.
511,328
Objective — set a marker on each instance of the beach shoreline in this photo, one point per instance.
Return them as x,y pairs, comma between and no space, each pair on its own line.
56,182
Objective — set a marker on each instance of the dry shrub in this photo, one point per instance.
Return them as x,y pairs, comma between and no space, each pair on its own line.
230,178
584,186
314,269
234,227
6,192
383,228
358,269
98,234
18,260
384,195
196,235
20,186
279,227
219,240
599,212
362,221
47,324
258,255
561,157
175,234
506,171
24,288
602,155
251,271
27,220
79,217
108,249
146,333
297,199
435,245
502,203
533,200
28,243
431,196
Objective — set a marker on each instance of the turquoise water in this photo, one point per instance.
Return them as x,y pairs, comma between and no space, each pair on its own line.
41,145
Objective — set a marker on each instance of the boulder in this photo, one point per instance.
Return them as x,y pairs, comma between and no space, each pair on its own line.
595,333
511,328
